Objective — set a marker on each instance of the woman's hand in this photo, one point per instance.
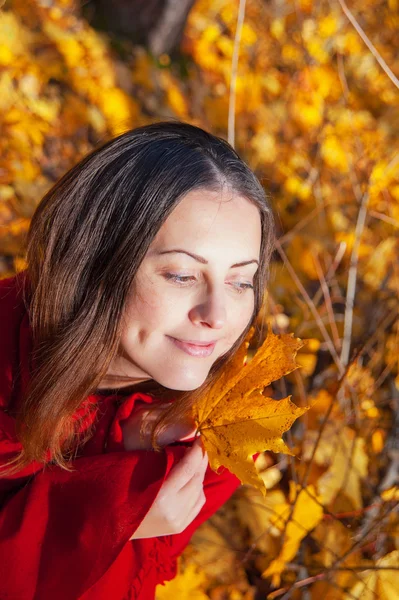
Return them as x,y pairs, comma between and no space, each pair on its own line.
144,418
180,498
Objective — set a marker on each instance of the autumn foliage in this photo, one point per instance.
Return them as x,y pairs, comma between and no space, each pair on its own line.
317,118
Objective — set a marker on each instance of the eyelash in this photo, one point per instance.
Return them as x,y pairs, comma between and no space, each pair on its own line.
174,277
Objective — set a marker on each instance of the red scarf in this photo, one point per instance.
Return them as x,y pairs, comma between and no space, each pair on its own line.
66,535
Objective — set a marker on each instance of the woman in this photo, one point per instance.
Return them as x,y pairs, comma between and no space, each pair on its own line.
147,265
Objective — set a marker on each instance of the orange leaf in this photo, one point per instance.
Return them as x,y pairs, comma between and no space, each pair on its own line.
235,419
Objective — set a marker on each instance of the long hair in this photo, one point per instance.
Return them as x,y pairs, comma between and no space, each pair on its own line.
86,240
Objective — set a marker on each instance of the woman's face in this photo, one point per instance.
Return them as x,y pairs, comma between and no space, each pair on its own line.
177,296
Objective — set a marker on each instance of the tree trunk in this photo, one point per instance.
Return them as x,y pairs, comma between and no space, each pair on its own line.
157,24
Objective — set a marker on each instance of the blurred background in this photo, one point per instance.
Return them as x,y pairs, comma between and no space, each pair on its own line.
307,92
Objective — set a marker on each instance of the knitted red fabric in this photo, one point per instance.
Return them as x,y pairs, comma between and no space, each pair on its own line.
67,535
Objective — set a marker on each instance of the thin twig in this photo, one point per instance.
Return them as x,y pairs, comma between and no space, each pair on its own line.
369,45
296,374
352,278
331,270
298,584
382,325
366,567
234,70
299,225
327,300
312,308
382,217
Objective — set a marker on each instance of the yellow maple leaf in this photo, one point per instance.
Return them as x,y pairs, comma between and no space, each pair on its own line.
235,419
307,513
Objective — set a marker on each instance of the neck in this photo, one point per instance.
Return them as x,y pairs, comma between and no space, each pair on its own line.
128,387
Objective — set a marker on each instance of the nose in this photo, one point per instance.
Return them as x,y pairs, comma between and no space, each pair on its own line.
212,311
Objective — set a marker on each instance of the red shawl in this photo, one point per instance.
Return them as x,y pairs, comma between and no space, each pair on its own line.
67,535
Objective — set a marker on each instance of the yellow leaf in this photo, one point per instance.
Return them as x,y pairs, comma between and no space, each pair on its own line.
15,36
142,70
377,441
6,192
264,145
381,584
316,49
277,28
248,35
307,359
390,494
256,513
312,344
297,187
236,420
208,549
212,32
346,459
20,264
12,236
383,256
175,97
328,25
305,5
335,539
301,252
334,154
306,515
349,43
187,585
291,53
73,51
118,108
225,45
6,56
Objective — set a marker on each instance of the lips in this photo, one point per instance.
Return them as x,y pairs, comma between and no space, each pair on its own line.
193,349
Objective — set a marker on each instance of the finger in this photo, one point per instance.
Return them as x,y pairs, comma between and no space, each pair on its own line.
198,505
195,504
177,432
186,468
194,486
190,436
198,477
198,444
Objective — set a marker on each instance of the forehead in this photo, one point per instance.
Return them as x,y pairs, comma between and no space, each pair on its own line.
204,219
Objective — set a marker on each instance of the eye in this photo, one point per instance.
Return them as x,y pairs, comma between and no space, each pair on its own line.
184,279
245,286
181,279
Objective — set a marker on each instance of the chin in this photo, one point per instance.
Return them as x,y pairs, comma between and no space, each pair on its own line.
180,385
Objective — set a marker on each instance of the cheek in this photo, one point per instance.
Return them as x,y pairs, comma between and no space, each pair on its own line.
239,321
244,310
149,309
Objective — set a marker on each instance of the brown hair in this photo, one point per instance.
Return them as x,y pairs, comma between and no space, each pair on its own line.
87,238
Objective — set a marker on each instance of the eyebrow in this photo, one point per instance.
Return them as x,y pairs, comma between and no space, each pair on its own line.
202,260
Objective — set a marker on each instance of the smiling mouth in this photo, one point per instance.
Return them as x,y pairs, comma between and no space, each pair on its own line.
192,349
